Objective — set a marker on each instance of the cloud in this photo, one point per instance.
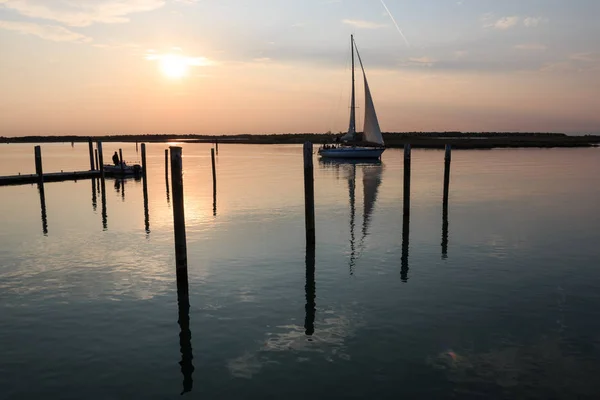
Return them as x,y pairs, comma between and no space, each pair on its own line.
531,46
48,32
533,22
82,12
505,23
422,61
585,57
363,24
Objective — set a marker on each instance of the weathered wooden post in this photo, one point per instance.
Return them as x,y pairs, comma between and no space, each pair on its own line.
407,179
121,160
167,165
144,162
100,162
97,163
145,189
38,164
91,151
102,185
309,288
405,244
214,175
214,171
185,335
167,173
447,160
309,193
178,214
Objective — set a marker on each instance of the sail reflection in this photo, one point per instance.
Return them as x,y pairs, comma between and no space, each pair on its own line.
371,179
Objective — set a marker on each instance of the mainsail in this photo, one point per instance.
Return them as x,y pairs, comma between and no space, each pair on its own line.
372,132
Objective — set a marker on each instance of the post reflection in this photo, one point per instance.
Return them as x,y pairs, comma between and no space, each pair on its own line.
168,198
185,334
445,232
214,202
405,245
104,217
309,288
43,208
146,211
94,199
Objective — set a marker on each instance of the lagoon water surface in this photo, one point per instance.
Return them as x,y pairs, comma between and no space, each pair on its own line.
501,300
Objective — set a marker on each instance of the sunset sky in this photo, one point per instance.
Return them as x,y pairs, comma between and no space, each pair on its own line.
93,67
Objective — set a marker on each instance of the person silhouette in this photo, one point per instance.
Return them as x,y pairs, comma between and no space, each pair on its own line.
115,158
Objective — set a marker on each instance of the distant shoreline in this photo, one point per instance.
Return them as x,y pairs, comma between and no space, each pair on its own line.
458,140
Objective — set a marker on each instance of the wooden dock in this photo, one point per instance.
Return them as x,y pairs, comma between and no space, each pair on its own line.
48,177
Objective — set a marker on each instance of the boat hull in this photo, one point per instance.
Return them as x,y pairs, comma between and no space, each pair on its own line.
127,170
352,152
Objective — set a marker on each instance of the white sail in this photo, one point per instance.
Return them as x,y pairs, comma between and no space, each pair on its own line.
372,133
371,130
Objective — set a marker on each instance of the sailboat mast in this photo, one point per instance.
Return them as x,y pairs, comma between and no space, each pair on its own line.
352,128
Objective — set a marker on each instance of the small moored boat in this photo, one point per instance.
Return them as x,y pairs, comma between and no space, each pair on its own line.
123,170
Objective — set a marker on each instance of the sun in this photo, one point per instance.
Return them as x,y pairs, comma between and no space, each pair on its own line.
174,66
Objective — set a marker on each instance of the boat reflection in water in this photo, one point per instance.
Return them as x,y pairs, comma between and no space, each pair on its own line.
371,171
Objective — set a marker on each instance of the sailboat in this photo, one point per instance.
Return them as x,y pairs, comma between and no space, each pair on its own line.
371,144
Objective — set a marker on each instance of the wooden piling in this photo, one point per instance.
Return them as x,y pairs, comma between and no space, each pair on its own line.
145,189
407,160
178,212
167,173
214,171
97,163
144,162
447,160
102,185
91,151
100,161
38,164
121,160
167,164
309,193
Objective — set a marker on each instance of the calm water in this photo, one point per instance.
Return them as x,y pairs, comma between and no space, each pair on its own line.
505,303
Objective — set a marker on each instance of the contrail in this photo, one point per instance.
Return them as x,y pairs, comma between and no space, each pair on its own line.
394,21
